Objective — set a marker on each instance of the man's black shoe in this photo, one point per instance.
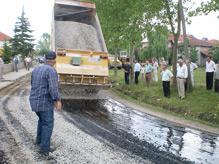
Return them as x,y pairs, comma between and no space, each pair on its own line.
51,149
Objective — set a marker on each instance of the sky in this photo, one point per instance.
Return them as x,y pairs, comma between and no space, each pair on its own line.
39,13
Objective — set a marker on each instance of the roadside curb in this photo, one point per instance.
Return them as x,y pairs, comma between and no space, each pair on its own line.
167,117
13,81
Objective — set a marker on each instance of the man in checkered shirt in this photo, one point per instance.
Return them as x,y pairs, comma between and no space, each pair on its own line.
44,97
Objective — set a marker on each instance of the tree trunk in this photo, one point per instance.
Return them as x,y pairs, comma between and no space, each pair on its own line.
187,54
132,49
115,63
174,57
175,35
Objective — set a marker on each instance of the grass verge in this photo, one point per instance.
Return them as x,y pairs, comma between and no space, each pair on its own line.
200,105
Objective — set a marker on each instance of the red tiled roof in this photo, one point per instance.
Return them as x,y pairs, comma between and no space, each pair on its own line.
4,37
194,41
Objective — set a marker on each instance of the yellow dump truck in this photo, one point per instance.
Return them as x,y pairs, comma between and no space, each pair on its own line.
82,57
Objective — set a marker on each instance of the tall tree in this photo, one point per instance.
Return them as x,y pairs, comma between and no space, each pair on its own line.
22,42
43,45
158,45
174,20
7,54
124,22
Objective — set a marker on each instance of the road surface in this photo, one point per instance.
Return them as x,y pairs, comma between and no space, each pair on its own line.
98,131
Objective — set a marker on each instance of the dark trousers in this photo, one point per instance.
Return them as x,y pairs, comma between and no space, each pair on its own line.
136,76
216,85
126,78
44,129
209,80
166,88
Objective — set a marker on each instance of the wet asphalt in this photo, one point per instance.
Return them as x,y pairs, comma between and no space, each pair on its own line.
143,135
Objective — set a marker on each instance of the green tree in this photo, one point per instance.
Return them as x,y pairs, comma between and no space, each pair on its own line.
7,54
43,45
22,42
215,53
125,21
158,45
193,54
207,7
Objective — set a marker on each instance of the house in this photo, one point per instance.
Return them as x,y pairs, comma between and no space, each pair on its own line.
201,45
3,38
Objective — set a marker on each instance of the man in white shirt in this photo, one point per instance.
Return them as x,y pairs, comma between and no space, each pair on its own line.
137,69
210,68
166,76
193,67
27,62
182,75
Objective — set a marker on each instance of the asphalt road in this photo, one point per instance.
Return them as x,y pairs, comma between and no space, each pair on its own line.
98,131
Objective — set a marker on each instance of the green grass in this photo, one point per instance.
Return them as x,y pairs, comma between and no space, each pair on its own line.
200,104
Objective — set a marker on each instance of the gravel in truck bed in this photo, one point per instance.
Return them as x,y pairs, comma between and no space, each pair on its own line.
75,35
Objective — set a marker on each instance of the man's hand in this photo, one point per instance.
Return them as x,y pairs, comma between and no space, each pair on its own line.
58,106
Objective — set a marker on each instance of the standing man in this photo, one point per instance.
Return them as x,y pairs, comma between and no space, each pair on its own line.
15,63
1,68
137,69
166,76
193,67
216,81
27,62
127,69
44,96
210,68
155,69
148,72
182,75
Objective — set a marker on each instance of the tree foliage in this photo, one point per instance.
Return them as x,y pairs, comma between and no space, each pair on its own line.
43,45
215,53
158,45
7,54
193,54
123,22
207,7
22,42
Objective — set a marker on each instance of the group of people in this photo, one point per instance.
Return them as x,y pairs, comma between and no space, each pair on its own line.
149,72
27,63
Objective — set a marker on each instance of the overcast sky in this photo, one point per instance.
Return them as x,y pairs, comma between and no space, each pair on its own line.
39,13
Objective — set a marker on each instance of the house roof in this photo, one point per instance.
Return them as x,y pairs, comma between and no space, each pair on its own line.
4,37
193,41
214,42
205,52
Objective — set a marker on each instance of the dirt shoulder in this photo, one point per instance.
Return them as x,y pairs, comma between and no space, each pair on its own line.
177,120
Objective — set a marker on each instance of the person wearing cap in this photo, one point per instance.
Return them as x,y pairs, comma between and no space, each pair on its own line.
182,75
44,97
